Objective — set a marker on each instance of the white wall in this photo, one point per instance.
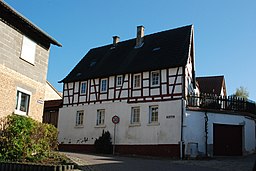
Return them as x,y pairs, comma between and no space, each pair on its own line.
167,131
194,129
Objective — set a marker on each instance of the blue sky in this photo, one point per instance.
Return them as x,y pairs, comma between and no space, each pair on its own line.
225,31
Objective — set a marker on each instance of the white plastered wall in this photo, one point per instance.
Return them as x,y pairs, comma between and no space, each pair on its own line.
167,131
194,129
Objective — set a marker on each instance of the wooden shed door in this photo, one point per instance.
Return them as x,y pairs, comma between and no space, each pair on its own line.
227,140
51,118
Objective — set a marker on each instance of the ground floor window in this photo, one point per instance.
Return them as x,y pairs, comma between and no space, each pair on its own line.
135,115
79,118
153,114
100,117
22,101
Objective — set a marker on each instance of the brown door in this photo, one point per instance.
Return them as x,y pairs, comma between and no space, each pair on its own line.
227,140
51,117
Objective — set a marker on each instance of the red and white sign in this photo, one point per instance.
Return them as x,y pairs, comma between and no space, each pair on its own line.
115,119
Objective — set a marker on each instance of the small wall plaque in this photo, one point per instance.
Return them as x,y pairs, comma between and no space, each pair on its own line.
40,101
170,116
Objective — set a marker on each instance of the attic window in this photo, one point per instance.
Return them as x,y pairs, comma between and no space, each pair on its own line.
156,49
139,46
92,63
78,74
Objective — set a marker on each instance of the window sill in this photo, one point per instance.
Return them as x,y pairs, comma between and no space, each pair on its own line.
155,86
134,124
100,126
18,112
153,124
79,126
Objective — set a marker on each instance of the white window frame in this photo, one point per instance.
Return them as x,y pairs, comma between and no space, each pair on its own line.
153,114
100,117
19,93
137,80
103,87
80,118
155,81
28,50
83,88
135,115
119,80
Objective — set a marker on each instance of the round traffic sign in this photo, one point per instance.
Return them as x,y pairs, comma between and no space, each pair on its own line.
115,119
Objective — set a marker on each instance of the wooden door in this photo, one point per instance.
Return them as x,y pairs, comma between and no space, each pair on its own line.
227,140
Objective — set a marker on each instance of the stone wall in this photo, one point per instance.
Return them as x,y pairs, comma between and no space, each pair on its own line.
10,80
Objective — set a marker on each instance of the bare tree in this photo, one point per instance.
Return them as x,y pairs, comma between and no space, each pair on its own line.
242,92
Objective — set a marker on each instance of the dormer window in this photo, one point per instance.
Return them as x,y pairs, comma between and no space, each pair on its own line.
155,78
93,63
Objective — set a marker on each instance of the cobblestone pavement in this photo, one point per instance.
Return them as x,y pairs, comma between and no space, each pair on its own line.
101,163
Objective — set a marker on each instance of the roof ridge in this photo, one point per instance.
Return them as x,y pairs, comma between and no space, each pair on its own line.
147,35
25,19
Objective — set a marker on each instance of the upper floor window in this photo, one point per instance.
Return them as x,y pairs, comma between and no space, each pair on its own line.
136,81
153,114
22,101
155,78
135,115
79,118
83,88
119,80
100,117
28,50
103,85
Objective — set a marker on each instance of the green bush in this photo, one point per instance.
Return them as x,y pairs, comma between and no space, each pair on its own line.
24,139
103,144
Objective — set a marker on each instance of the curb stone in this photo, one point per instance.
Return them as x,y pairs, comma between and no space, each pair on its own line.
80,164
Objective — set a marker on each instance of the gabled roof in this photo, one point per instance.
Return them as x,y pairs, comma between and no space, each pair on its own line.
16,20
211,84
160,50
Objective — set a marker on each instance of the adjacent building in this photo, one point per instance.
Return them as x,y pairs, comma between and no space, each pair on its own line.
24,53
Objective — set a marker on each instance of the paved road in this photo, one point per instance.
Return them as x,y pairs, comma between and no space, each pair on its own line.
119,163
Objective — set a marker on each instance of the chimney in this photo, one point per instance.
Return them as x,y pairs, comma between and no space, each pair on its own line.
115,40
140,35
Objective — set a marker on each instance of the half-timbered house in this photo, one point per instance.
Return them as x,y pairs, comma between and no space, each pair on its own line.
143,81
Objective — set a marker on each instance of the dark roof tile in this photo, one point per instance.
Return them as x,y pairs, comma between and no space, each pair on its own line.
172,51
211,84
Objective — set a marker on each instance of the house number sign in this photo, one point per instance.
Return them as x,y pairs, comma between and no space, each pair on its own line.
115,119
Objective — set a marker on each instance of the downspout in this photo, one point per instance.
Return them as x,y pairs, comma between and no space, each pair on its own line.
182,113
181,129
206,133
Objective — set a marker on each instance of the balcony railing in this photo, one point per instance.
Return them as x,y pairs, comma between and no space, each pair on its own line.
230,103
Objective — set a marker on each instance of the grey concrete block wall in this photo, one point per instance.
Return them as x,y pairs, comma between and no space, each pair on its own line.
16,72
10,52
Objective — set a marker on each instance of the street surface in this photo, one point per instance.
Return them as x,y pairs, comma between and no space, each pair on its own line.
119,163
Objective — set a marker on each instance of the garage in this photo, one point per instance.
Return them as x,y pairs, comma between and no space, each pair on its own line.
227,140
